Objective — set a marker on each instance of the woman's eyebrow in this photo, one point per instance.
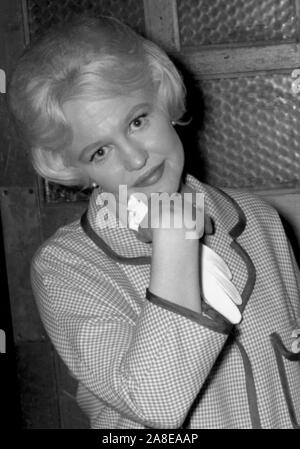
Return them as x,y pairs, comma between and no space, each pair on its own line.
133,111
127,119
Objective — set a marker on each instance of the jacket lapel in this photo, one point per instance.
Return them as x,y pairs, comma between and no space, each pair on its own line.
229,222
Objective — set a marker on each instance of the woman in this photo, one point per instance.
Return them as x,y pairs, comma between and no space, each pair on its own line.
160,330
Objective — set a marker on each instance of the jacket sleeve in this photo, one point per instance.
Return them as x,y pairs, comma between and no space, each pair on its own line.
148,365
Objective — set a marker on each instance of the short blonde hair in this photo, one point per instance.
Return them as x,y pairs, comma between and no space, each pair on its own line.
90,58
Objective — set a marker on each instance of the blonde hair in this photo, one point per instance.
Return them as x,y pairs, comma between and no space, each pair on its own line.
90,58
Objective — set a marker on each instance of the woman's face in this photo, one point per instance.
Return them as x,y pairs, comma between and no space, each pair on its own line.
126,140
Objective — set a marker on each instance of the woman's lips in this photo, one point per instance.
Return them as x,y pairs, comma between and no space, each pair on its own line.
150,177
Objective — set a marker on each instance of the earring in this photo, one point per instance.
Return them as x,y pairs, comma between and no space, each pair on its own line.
173,123
94,185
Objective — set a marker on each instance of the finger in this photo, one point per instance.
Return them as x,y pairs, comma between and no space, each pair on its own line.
137,210
210,257
228,287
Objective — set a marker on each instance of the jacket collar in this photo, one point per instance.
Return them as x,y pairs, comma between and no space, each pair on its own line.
117,238
229,220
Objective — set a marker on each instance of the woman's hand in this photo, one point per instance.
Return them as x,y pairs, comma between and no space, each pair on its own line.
173,216
175,255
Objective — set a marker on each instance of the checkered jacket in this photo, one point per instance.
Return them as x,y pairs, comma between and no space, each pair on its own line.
145,363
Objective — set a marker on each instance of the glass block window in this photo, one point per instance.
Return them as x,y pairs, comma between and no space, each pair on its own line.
206,22
42,14
251,133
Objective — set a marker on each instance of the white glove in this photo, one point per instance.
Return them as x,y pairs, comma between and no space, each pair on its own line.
137,211
216,287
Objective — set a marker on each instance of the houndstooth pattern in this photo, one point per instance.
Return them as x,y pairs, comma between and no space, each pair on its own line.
140,365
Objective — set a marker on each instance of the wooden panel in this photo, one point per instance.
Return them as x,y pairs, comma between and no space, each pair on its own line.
34,362
54,216
22,236
45,385
161,22
37,384
297,12
219,62
287,203
15,168
9,391
70,414
11,33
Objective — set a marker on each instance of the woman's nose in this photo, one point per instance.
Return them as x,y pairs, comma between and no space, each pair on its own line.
134,157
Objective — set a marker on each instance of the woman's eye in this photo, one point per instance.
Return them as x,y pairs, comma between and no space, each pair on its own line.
138,122
98,155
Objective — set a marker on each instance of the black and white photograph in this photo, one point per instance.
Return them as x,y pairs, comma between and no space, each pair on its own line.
149,218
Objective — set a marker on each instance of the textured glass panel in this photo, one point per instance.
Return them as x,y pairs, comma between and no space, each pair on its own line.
205,22
251,134
42,14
